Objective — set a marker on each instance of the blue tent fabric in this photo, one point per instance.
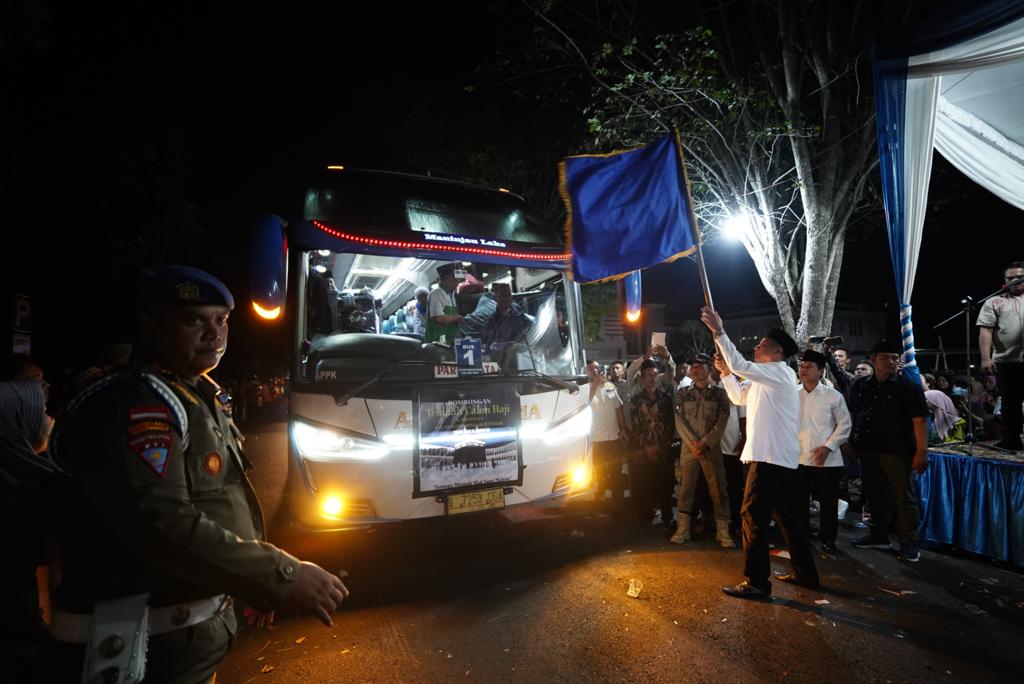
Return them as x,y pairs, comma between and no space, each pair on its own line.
627,210
955,24
975,504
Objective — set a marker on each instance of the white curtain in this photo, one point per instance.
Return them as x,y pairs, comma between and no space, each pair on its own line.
977,128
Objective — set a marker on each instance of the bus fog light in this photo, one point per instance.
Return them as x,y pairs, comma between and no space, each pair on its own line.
581,476
332,506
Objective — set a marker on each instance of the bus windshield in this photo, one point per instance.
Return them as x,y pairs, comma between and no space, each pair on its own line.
521,316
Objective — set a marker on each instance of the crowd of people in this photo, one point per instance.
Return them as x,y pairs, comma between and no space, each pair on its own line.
732,444
133,473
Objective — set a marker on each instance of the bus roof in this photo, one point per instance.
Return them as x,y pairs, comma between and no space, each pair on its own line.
403,206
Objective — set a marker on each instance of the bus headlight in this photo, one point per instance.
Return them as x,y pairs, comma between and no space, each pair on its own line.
570,430
323,443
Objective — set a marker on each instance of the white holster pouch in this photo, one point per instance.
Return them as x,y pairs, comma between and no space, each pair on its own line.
116,633
115,652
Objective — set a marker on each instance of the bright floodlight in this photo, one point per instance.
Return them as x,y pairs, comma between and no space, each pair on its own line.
735,225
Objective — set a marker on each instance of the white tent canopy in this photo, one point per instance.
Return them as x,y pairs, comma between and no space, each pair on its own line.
957,86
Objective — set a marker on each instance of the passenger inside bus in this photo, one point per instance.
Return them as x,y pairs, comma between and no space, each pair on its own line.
517,313
508,324
442,314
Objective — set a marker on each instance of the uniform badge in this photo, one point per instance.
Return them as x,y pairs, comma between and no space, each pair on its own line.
212,463
153,450
187,292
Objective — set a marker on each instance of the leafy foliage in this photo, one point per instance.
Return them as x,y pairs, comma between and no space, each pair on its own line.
600,300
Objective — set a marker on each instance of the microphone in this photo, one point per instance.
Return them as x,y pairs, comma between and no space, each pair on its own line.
826,341
1013,283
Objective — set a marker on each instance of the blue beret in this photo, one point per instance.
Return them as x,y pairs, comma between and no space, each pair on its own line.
183,285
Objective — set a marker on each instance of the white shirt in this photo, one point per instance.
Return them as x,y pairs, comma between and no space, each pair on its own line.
773,408
605,405
824,421
438,299
731,436
686,382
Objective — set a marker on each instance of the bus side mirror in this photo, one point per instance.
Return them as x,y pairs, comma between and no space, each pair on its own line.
268,267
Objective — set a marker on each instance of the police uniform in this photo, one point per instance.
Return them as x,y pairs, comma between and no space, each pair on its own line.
702,413
159,504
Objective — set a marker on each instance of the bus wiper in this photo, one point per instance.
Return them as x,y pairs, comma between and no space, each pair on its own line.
343,399
553,382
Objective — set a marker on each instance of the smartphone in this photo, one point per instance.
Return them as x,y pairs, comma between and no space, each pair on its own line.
658,339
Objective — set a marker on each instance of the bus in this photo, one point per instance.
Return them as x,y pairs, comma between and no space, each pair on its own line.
397,414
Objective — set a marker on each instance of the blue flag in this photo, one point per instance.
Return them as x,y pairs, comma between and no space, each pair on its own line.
626,210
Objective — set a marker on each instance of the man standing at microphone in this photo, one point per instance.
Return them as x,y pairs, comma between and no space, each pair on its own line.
773,452
1001,325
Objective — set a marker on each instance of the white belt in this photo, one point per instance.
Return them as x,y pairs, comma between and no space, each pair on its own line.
73,628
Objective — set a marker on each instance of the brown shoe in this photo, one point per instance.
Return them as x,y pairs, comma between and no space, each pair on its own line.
747,590
792,578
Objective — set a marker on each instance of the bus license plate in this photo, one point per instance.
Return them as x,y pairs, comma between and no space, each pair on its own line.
471,502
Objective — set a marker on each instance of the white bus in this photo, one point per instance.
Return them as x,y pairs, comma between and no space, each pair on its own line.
390,420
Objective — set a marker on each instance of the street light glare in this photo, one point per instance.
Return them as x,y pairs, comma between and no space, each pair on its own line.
735,225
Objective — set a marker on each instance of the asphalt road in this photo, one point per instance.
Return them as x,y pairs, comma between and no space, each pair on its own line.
542,599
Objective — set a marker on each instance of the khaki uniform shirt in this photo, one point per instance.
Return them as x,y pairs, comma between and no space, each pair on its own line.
702,414
1004,314
155,507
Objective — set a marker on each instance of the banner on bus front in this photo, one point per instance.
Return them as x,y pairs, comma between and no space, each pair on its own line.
467,439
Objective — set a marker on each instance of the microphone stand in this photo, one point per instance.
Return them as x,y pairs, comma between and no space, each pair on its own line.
968,305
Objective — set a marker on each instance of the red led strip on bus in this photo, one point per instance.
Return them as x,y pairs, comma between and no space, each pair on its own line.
441,248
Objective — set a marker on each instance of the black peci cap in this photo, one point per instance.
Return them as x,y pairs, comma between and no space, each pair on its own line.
887,347
789,347
811,356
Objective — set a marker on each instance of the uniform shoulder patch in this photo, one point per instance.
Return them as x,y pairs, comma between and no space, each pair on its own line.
153,449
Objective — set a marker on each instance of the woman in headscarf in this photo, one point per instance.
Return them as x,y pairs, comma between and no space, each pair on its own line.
943,412
24,468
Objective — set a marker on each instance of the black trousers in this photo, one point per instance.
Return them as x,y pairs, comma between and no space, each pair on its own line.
888,477
821,484
608,469
774,490
1011,388
651,484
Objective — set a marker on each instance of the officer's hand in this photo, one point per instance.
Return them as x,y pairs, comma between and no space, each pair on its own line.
318,591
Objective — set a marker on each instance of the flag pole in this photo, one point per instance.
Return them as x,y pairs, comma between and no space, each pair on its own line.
685,189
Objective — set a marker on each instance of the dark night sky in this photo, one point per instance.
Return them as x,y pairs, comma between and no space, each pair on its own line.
255,99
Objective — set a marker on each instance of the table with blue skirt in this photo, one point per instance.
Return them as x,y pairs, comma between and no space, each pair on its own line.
975,503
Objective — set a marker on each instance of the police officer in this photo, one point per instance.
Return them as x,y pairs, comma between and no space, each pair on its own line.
702,412
159,502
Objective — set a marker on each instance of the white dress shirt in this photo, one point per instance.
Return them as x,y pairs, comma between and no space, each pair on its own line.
773,408
605,404
732,435
824,421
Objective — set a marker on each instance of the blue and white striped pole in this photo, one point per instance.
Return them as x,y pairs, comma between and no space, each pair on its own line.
910,368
